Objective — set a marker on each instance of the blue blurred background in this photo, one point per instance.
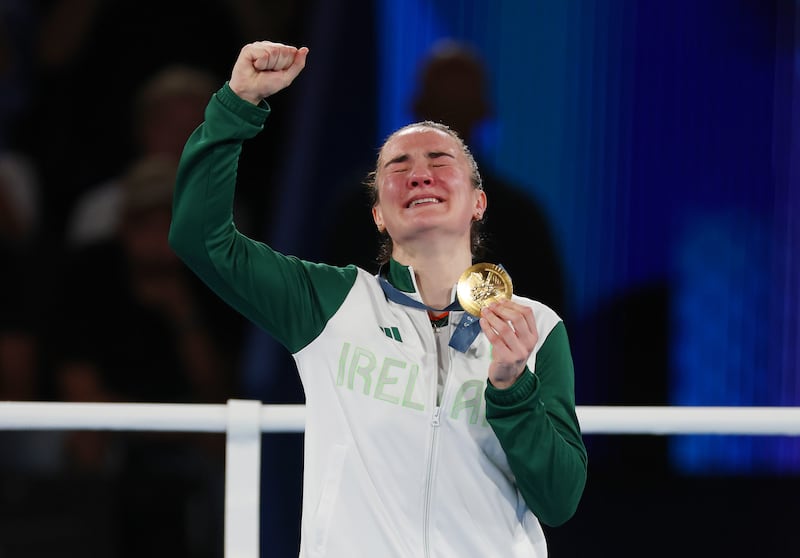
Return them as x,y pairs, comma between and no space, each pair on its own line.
662,137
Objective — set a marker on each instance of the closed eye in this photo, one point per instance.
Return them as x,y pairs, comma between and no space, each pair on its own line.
438,155
399,159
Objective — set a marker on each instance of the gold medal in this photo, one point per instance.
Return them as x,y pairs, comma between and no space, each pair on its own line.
482,284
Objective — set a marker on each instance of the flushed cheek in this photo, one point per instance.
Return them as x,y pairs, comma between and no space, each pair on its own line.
390,191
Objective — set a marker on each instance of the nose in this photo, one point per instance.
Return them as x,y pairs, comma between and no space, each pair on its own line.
420,176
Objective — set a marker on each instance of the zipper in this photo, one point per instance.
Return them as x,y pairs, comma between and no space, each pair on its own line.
426,515
435,422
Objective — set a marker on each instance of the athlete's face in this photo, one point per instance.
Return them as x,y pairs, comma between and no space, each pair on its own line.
424,185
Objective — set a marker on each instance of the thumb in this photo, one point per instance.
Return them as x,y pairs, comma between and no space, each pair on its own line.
298,64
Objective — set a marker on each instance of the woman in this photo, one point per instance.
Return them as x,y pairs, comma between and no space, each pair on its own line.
412,447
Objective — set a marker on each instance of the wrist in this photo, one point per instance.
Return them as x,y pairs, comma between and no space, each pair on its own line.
503,378
522,388
246,95
503,384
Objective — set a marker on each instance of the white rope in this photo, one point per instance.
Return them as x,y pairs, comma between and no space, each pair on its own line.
764,421
776,421
112,416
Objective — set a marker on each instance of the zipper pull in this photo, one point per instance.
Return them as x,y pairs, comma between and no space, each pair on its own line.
436,412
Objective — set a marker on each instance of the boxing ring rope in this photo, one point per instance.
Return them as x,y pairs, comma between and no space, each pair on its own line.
243,421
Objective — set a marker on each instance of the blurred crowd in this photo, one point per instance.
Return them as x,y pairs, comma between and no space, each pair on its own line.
97,99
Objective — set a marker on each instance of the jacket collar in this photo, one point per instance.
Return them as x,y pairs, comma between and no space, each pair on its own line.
400,276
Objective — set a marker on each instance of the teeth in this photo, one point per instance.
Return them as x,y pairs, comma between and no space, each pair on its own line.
423,200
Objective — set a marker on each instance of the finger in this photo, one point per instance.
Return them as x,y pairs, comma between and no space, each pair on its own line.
261,63
298,63
504,353
283,58
269,60
521,317
258,54
499,319
499,332
512,325
267,56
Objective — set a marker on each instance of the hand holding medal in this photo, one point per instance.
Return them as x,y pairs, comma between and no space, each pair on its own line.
485,290
482,284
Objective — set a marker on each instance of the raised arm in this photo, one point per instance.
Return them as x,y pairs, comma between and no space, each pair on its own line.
290,298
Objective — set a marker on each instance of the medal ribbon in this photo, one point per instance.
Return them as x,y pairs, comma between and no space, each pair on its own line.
467,329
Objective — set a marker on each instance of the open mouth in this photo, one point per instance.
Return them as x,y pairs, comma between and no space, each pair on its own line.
422,201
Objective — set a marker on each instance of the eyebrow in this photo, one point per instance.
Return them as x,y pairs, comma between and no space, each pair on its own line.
430,155
399,159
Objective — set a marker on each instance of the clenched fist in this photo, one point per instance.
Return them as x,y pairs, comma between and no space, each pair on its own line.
264,68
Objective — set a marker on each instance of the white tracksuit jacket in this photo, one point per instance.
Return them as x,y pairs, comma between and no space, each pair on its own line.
389,470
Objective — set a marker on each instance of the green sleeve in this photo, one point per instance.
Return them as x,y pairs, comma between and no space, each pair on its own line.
290,298
536,424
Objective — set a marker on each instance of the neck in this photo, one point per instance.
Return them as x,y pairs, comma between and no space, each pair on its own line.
436,271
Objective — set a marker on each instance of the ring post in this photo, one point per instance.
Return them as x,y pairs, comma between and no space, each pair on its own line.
242,479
